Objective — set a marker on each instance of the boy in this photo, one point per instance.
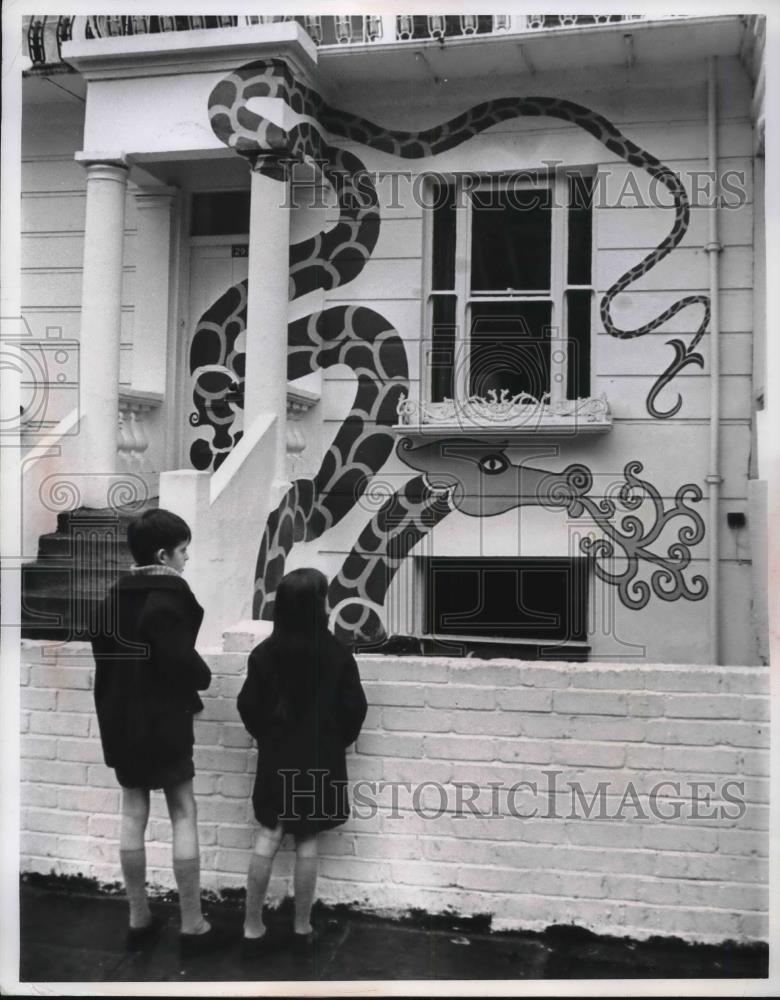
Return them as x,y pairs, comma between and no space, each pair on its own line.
147,679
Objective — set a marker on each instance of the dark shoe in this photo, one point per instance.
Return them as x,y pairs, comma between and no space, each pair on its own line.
191,945
253,949
141,938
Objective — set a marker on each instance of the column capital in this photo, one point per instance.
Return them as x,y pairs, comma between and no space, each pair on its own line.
102,159
155,197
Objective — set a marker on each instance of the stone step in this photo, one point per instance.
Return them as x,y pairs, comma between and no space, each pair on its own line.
62,545
38,577
75,566
121,515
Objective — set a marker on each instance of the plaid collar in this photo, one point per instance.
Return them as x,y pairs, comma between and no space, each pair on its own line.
156,569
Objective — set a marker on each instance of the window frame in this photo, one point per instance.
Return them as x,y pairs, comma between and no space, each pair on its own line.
423,615
557,180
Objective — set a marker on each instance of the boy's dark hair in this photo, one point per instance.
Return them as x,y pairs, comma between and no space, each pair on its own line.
154,530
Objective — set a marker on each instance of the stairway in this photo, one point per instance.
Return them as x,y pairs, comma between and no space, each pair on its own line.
75,565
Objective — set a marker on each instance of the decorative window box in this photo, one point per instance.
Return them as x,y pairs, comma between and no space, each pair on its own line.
506,416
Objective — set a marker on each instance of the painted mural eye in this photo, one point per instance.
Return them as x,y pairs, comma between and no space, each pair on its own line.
492,464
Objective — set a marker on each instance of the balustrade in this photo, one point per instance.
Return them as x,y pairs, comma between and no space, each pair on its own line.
133,432
299,402
46,33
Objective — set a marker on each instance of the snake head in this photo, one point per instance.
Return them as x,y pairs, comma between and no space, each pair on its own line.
478,475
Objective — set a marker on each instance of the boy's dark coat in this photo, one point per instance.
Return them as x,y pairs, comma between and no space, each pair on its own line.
314,743
148,673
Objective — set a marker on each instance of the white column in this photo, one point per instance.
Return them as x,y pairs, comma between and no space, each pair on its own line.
101,312
153,282
265,385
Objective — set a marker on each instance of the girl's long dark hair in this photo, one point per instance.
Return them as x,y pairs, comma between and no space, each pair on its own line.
300,626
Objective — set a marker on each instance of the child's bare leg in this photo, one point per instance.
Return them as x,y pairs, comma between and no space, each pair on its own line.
132,853
260,865
305,881
186,856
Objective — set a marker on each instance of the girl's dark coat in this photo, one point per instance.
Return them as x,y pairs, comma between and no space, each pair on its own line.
148,675
301,765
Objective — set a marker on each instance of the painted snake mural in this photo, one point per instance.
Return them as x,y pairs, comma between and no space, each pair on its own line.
475,483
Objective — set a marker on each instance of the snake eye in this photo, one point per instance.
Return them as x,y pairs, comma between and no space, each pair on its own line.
493,464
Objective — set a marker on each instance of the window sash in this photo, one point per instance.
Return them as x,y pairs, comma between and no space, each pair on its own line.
465,297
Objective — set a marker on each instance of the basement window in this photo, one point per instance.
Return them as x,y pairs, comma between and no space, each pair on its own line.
528,608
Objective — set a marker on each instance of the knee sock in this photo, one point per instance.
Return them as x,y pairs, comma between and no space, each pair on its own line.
256,888
187,875
305,880
134,872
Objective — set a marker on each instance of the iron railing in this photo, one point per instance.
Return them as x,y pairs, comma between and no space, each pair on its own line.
45,33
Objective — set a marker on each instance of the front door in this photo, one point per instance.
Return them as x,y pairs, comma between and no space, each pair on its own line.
213,406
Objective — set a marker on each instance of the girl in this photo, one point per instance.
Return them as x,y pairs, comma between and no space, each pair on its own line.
303,702
147,679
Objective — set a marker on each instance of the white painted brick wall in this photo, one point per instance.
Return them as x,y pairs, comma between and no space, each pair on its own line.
485,726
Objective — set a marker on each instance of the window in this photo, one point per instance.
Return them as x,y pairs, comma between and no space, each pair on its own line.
509,288
220,213
529,600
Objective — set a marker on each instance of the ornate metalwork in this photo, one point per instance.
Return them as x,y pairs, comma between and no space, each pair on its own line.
343,28
45,36
404,26
35,40
437,25
631,536
536,22
313,26
501,408
64,33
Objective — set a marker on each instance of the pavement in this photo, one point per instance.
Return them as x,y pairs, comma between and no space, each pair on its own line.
77,935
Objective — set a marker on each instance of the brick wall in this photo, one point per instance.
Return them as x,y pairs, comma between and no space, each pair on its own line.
625,869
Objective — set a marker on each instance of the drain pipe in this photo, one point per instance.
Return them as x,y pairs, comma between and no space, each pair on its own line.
713,249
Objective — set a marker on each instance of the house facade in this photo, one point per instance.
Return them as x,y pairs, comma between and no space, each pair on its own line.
468,312
433,303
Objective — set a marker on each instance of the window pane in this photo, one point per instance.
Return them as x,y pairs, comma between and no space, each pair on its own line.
580,228
510,347
512,598
510,241
442,356
578,380
443,200
220,213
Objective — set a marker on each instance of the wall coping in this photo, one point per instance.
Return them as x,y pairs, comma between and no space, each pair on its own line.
73,648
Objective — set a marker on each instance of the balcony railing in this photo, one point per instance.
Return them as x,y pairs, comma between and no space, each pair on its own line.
45,34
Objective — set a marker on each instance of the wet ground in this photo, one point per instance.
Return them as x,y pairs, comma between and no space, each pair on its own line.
73,935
